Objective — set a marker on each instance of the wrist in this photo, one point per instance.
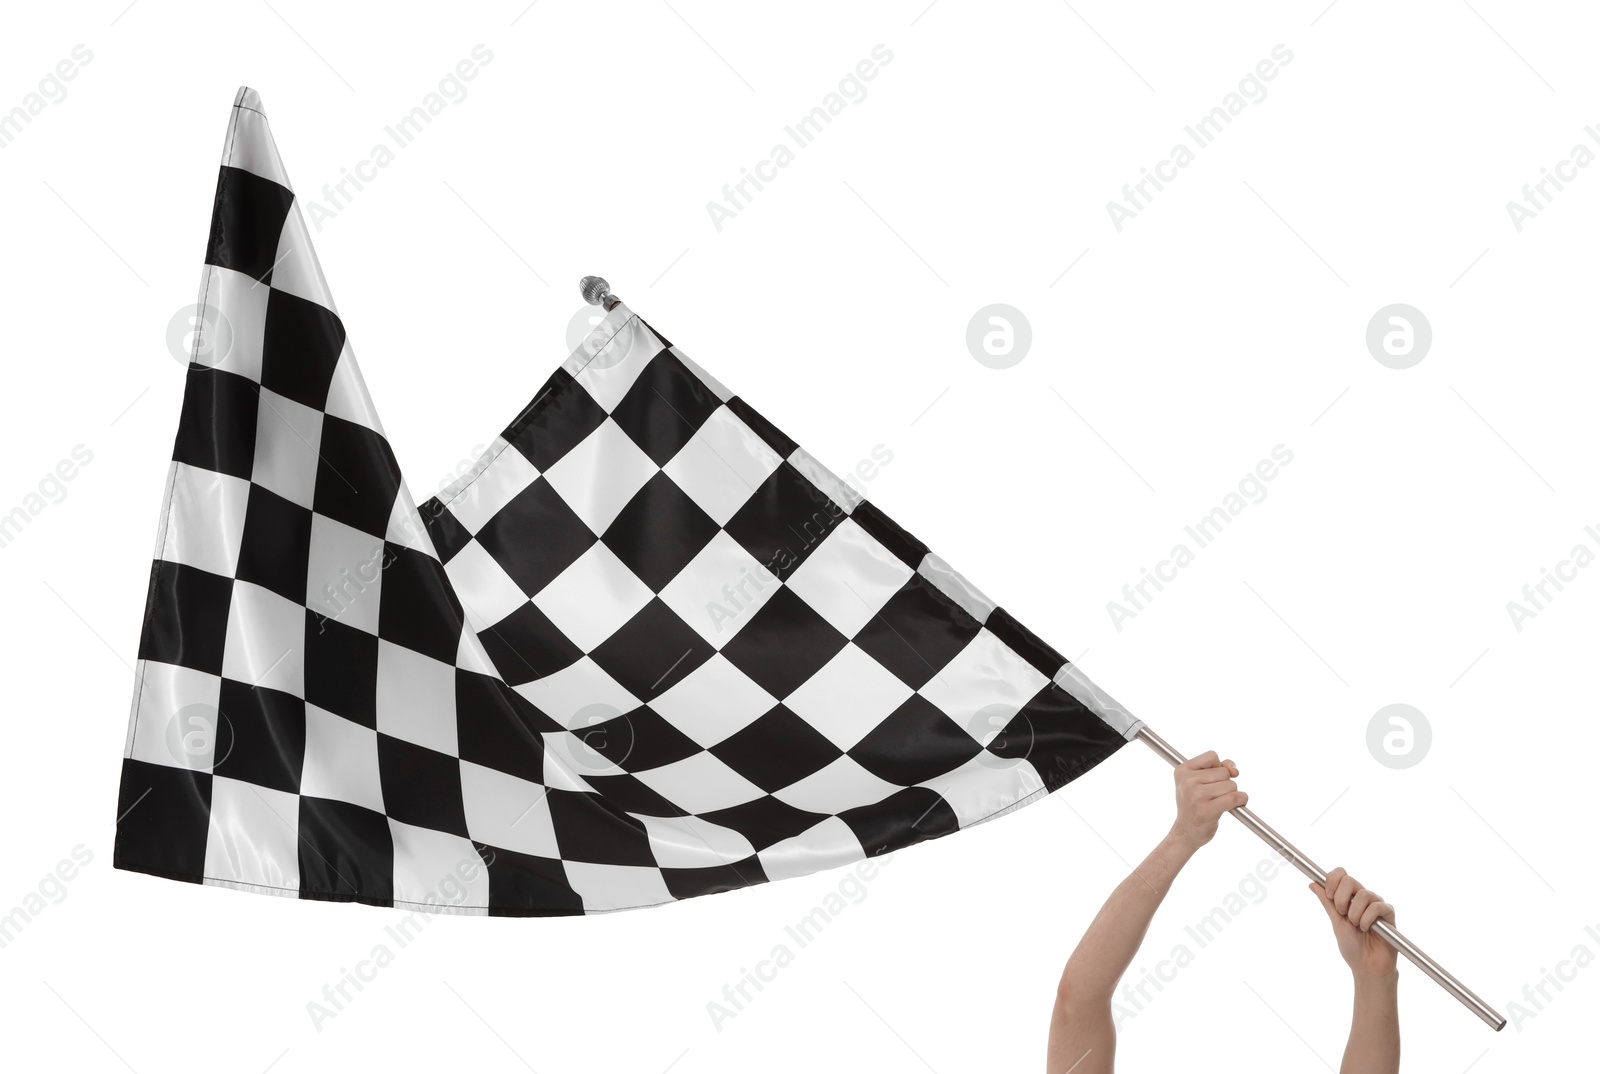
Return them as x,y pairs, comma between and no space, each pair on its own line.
1183,841
1377,980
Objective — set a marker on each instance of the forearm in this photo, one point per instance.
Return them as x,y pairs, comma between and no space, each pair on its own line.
1374,1045
1113,937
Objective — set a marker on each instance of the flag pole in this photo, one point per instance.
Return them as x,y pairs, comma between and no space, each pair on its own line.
1388,932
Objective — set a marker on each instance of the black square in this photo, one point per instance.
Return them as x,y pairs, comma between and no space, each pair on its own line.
275,547
526,645
499,728
261,736
525,885
449,536
783,644
418,607
784,520
186,617
217,427
637,741
1025,643
915,743
421,786
888,533
564,418
652,652
762,427
903,818
632,795
710,879
341,669
917,632
357,476
535,537
164,817
246,222
590,828
776,750
300,347
1058,736
659,532
346,852
765,821
664,408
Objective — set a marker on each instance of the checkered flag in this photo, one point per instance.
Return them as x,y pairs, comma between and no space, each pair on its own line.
648,648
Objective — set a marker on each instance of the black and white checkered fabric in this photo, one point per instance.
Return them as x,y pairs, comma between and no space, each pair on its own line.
648,648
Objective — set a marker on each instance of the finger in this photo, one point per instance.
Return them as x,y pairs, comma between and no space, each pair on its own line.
1214,775
1346,891
1373,911
1217,789
1380,911
1358,906
1331,882
1207,759
1231,767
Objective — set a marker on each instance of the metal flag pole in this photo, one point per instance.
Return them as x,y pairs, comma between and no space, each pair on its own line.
1388,932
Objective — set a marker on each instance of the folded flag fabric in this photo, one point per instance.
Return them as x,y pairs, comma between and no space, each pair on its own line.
647,649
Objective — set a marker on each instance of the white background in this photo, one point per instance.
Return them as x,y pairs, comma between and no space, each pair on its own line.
1227,318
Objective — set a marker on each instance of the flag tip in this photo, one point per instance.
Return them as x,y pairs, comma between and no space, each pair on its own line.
248,98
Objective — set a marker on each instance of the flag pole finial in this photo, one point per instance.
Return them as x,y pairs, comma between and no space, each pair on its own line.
597,292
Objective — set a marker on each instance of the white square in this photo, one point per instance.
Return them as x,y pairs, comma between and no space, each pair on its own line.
487,593
848,697
599,476
205,525
849,578
344,574
234,340
593,598
720,589
177,720
288,439
842,785
700,783
295,269
406,527
560,773
416,698
713,701
347,394
722,465
824,845
437,868
577,692
985,785
507,812
615,355
500,483
341,761
254,835
693,842
266,640
986,675
616,887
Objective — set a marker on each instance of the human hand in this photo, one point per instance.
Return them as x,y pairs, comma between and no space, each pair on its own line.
1206,790
1353,910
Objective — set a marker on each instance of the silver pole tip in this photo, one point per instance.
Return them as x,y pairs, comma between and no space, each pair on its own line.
594,289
